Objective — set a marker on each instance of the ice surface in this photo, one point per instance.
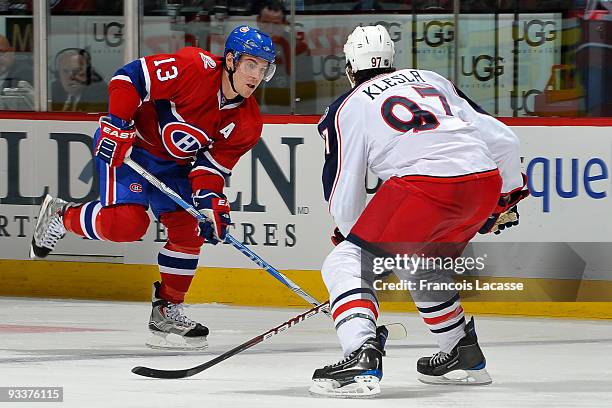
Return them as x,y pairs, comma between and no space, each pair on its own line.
533,362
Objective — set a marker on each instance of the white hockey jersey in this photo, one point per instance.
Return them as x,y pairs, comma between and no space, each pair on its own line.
409,122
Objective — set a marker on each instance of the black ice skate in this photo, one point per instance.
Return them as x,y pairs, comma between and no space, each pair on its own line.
49,227
357,376
464,365
170,329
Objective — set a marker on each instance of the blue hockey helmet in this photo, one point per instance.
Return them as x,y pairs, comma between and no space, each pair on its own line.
248,40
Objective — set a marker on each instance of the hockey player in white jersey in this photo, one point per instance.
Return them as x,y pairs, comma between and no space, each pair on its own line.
449,171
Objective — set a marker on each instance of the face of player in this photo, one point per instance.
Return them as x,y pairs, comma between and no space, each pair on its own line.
249,73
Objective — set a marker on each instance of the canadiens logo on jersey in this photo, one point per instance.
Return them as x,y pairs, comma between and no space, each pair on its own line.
182,140
136,188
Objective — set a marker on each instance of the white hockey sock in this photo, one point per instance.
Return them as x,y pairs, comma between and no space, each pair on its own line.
353,301
445,320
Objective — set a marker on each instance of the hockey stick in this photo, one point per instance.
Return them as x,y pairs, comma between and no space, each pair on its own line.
396,330
188,372
228,238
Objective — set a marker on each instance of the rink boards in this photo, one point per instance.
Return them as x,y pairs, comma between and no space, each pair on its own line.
278,209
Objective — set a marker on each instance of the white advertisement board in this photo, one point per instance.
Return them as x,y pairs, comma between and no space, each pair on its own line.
277,198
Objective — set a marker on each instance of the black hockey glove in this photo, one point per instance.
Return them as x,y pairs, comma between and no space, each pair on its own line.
505,214
496,223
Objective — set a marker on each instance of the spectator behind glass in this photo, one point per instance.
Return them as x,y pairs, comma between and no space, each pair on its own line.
78,87
274,96
16,90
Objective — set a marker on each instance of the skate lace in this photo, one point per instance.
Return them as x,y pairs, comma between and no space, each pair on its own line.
344,360
54,233
439,358
175,312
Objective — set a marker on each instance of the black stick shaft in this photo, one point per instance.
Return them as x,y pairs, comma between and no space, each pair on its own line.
154,373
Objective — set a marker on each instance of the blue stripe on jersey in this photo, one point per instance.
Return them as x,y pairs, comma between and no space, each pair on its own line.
449,328
89,208
134,71
328,125
354,292
164,113
441,306
177,263
473,104
202,160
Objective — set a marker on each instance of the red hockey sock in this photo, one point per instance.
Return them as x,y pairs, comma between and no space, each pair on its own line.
177,268
174,287
120,223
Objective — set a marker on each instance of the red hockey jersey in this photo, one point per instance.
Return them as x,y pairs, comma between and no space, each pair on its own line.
180,113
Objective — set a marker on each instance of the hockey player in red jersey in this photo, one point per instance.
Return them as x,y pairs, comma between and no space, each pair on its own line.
449,171
187,118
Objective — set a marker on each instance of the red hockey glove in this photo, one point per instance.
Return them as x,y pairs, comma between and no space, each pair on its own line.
337,237
215,207
115,141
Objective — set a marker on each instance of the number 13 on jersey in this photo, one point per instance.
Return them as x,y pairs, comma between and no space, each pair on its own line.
166,73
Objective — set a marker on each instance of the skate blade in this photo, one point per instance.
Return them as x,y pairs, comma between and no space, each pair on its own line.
170,341
365,386
459,377
43,208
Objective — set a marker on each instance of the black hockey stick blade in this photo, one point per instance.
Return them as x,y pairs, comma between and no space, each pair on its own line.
188,372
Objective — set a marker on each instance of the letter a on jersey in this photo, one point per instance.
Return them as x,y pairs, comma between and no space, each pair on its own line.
227,131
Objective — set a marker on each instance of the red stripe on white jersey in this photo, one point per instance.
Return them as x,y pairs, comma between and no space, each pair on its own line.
440,319
363,303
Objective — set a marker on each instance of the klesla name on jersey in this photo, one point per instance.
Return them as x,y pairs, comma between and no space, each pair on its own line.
378,87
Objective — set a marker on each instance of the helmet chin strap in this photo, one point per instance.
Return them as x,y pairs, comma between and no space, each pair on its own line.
231,79
349,75
231,75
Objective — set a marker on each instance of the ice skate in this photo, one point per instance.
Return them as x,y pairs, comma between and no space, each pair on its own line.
171,329
464,365
357,376
49,227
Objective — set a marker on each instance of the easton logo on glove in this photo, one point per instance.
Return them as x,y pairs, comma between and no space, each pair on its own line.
116,133
115,142
215,207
